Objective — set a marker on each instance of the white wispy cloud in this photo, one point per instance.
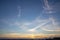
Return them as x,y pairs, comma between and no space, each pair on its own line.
19,11
36,27
47,7
44,24
47,25
38,22
49,10
51,28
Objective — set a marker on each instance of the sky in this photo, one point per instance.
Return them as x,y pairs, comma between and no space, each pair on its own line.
30,16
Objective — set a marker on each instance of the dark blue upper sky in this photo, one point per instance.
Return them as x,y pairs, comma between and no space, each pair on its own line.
9,8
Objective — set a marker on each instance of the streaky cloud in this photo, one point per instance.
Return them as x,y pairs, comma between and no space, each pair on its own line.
19,12
47,8
45,29
33,29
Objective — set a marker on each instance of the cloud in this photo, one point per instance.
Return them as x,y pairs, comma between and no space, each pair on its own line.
46,4
32,30
33,26
56,6
19,11
40,25
51,28
36,27
46,25
51,7
53,25
53,20
37,23
57,30
25,25
22,25
47,7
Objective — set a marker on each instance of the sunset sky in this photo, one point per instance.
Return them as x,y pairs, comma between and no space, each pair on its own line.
30,16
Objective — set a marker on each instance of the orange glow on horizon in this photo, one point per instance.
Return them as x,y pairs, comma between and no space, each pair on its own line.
16,35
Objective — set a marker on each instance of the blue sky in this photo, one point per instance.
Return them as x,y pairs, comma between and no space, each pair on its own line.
30,16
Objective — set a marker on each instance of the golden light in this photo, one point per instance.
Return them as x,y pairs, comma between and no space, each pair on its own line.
33,36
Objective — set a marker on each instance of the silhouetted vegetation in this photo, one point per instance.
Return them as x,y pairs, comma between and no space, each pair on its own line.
56,38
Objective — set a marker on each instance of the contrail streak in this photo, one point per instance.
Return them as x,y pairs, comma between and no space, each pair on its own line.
40,25
33,29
